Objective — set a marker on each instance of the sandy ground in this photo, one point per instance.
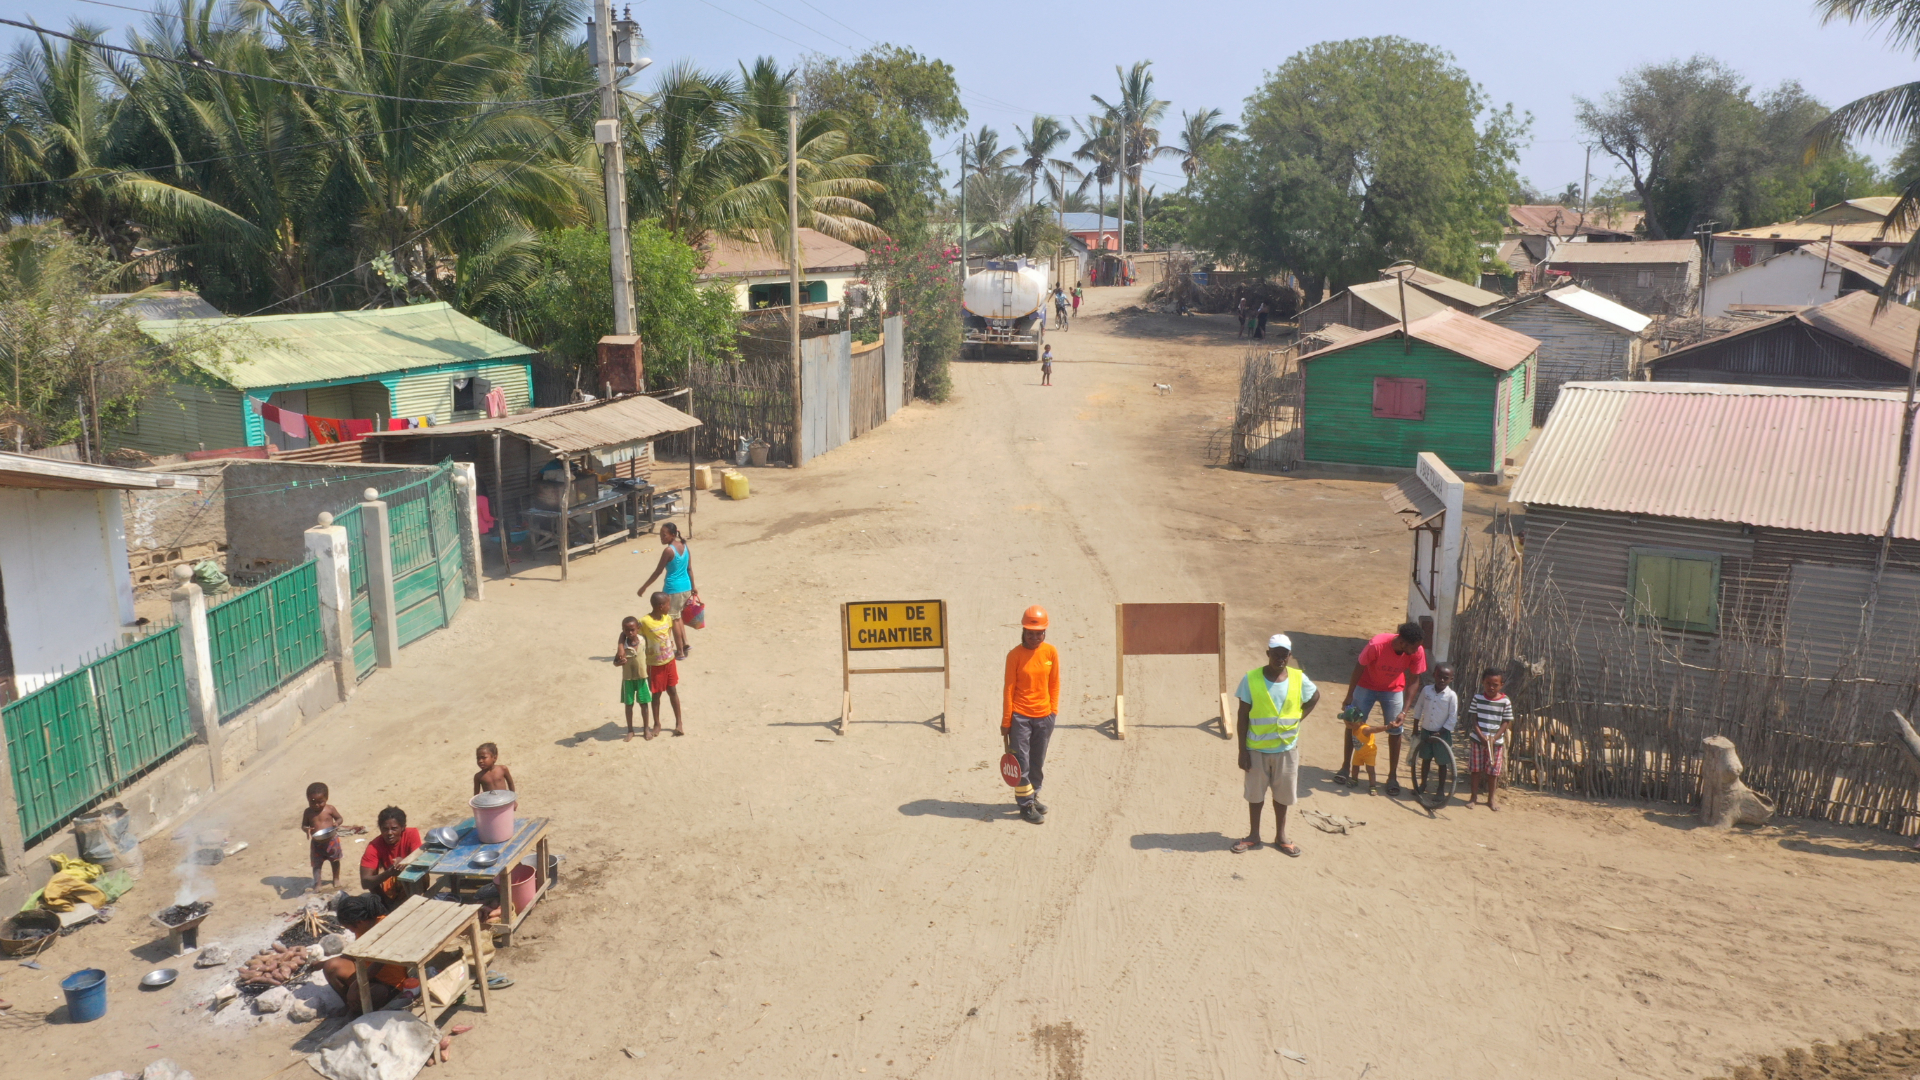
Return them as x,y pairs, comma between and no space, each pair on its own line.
768,898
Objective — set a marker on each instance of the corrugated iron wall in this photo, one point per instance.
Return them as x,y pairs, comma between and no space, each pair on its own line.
1573,348
1669,292
430,392
1787,354
1459,425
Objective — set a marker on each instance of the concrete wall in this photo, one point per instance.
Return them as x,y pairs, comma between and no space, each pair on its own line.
271,504
63,561
166,527
1792,278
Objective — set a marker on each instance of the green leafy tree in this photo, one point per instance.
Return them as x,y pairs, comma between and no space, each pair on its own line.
893,102
915,280
1359,153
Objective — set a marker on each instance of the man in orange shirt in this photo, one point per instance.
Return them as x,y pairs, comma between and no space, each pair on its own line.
1031,703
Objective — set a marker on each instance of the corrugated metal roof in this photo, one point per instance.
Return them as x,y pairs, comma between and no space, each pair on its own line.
1781,457
1552,219
1595,306
1412,496
1890,334
1457,332
1641,251
572,429
52,474
281,350
165,304
819,254
1441,285
1384,297
1855,221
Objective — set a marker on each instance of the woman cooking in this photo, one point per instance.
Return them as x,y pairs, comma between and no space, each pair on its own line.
387,856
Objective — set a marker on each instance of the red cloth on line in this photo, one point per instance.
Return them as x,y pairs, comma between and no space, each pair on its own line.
483,513
324,430
269,413
398,423
355,429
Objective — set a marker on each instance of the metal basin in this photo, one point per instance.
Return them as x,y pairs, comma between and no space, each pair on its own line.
327,833
486,858
159,977
446,836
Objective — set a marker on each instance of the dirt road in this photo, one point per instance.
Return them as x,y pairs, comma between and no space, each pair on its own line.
768,898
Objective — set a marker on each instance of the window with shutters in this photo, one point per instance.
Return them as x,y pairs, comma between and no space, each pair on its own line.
1680,590
1399,399
1743,254
1644,279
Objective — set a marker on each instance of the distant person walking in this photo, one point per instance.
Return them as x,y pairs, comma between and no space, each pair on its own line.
1046,365
677,563
1030,703
1260,321
1380,676
1273,701
1241,328
1076,299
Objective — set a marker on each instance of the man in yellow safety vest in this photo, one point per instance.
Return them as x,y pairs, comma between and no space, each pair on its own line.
1273,701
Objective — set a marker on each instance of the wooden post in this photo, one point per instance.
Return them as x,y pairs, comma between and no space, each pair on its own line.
1120,670
693,493
946,674
500,509
327,545
566,512
466,483
846,675
1228,714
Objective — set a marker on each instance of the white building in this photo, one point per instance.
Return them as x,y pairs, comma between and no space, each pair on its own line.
66,595
761,278
1805,276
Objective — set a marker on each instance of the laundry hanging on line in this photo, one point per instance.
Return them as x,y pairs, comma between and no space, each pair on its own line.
318,429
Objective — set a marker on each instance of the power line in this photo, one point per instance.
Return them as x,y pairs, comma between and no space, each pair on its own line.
207,66
855,30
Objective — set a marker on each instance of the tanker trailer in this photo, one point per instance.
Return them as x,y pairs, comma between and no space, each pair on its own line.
1005,311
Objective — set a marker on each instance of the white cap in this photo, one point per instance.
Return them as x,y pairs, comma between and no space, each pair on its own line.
1280,641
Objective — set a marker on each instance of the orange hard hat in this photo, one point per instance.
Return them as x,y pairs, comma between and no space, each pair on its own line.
1034,619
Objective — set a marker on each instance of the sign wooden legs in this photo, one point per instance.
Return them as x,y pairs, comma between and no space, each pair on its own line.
846,676
1120,670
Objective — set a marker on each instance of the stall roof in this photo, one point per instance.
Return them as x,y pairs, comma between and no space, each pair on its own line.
27,471
1412,496
1442,285
571,429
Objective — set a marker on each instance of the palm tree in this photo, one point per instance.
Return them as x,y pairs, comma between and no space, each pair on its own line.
1200,132
1040,139
1892,114
1100,148
988,158
1135,113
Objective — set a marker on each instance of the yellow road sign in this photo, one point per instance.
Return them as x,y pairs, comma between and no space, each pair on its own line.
896,624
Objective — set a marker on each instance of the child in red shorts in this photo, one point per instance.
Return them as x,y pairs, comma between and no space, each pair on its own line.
663,673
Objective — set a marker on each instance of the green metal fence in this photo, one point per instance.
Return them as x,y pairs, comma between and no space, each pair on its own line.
429,566
264,637
77,738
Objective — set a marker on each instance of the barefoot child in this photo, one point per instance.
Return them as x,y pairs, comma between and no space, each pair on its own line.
1492,714
320,814
630,655
1365,753
492,776
663,673
1435,711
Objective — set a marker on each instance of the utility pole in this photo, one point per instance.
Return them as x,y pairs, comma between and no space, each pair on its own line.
1121,216
793,259
611,43
963,208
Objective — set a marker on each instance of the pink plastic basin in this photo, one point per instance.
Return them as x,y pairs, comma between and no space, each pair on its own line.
493,815
525,883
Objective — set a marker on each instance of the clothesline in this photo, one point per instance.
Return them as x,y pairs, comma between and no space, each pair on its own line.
320,430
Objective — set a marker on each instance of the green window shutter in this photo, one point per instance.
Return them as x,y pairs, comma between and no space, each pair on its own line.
1678,589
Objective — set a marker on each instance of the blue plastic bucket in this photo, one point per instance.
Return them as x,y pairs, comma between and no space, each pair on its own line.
86,995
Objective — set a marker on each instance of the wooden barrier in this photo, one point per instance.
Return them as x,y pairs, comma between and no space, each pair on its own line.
1168,630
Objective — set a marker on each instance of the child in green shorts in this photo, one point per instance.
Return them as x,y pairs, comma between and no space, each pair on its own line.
631,656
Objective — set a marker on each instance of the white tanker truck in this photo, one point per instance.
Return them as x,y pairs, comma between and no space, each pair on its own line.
1005,311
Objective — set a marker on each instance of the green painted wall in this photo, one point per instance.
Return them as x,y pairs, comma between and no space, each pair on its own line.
1520,382
1461,400
183,418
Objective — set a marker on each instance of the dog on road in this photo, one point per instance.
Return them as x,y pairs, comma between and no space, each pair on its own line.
1163,389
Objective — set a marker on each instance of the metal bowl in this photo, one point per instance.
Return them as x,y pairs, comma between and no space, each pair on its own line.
159,977
446,836
486,858
327,833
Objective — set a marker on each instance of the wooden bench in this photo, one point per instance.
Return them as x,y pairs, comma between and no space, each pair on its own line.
416,932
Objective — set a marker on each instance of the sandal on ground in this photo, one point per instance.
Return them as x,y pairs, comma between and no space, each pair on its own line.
497,981
1244,846
1342,779
1289,849
1393,787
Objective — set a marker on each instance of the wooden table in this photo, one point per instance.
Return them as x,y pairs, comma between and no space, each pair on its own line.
416,932
545,529
528,833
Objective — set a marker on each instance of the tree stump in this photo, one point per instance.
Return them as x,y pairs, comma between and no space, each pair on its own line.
1724,800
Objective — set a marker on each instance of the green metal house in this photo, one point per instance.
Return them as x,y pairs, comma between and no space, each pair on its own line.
1452,384
418,361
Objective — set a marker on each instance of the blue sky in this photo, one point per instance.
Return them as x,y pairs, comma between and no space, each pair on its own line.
1015,59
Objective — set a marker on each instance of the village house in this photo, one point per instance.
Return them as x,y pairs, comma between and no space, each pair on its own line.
425,363
1649,276
1843,343
1859,224
1370,306
66,594
761,278
1582,335
1452,384
1457,295
1801,276
1095,231
1689,506
1533,232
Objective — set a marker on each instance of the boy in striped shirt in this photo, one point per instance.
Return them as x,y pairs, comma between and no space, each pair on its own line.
1491,713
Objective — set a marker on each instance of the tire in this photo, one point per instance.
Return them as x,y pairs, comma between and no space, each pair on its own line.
1442,775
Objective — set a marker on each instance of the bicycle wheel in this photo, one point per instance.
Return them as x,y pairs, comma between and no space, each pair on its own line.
1436,787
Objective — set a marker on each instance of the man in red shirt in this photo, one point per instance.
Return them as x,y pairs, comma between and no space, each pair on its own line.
1380,675
388,855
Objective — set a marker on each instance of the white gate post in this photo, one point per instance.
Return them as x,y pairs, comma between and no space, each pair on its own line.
376,540
196,657
333,577
466,507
